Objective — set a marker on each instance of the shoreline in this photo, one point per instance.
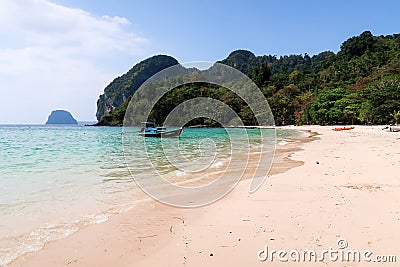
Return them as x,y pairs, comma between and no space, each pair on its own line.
289,210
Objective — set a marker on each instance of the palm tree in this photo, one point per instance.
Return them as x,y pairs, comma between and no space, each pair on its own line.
396,116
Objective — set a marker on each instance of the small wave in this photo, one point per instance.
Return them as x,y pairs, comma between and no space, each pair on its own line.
180,173
217,165
37,239
283,143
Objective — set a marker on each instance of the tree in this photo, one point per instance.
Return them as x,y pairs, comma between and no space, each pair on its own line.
261,75
352,105
302,105
323,108
396,116
356,46
282,109
384,96
366,113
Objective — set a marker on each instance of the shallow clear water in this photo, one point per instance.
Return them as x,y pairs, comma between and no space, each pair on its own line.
55,180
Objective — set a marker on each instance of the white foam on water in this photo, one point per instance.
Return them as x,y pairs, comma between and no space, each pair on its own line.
217,165
37,239
180,173
283,143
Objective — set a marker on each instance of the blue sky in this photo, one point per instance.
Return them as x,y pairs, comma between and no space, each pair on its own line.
60,54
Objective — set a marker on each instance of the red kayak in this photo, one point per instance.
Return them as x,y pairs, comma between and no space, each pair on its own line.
343,129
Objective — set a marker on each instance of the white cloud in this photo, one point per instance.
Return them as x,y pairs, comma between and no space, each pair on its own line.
53,56
117,19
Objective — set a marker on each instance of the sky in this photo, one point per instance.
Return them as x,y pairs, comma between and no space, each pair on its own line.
61,54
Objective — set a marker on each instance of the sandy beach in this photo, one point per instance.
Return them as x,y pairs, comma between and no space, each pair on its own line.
330,190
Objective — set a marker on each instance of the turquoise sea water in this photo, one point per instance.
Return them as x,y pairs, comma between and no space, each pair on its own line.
54,180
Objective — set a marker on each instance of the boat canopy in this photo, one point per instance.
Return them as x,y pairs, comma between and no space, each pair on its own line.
148,124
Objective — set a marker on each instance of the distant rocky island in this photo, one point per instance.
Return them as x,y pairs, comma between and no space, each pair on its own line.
61,117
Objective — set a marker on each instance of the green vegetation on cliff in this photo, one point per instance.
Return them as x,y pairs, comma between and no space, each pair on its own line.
122,88
359,84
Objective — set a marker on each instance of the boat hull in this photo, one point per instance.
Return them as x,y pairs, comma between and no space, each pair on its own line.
343,129
394,128
174,133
